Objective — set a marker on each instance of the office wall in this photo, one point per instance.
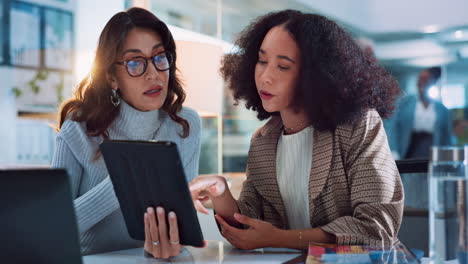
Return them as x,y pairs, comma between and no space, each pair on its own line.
90,17
7,118
26,138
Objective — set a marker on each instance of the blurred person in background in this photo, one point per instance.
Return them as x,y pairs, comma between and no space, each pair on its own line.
420,121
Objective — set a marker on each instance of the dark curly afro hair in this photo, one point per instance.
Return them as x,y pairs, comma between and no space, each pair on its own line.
337,82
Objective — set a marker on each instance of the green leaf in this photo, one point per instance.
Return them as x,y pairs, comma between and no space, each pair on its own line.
42,75
59,89
16,91
35,88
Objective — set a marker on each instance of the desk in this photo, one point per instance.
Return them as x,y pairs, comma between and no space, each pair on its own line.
222,252
215,252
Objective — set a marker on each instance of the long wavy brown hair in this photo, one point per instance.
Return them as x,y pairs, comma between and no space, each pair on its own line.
91,101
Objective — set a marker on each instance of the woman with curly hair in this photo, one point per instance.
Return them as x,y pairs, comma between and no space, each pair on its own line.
320,169
133,93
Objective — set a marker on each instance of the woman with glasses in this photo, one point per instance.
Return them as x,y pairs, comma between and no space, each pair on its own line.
320,170
132,93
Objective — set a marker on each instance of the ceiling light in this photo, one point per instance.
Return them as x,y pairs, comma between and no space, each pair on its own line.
433,92
431,29
453,35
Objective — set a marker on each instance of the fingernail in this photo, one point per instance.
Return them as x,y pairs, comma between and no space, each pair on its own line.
172,215
146,215
159,210
150,210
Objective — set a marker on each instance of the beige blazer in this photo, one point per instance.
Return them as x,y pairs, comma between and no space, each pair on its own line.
355,190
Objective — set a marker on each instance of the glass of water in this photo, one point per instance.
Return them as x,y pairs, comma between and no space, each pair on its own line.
448,204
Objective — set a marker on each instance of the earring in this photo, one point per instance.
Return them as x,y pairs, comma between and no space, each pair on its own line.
115,98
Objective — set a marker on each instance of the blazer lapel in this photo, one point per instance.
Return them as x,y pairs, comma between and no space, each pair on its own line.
262,165
322,153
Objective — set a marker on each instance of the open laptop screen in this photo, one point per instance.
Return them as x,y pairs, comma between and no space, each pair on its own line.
37,218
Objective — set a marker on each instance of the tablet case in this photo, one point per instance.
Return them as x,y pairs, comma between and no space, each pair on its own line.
150,173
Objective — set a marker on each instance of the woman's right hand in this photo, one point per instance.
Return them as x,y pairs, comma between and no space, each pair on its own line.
161,238
204,188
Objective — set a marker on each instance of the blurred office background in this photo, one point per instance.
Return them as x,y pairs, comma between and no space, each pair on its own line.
47,46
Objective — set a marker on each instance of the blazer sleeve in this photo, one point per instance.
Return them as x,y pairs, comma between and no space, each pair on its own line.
376,191
250,201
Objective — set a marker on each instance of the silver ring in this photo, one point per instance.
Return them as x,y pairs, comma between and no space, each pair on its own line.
174,242
155,243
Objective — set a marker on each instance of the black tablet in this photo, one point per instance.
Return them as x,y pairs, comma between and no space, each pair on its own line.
147,173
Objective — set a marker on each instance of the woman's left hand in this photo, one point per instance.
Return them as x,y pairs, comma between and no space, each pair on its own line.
161,240
260,234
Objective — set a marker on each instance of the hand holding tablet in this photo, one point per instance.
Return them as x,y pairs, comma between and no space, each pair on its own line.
150,174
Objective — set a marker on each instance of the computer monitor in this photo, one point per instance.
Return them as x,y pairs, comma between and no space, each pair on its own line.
37,217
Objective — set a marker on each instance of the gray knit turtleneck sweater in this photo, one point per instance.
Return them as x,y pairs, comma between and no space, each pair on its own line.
100,221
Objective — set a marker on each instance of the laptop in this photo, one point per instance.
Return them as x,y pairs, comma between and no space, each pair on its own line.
37,217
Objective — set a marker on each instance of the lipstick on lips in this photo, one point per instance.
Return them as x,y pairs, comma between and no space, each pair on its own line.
265,95
154,91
